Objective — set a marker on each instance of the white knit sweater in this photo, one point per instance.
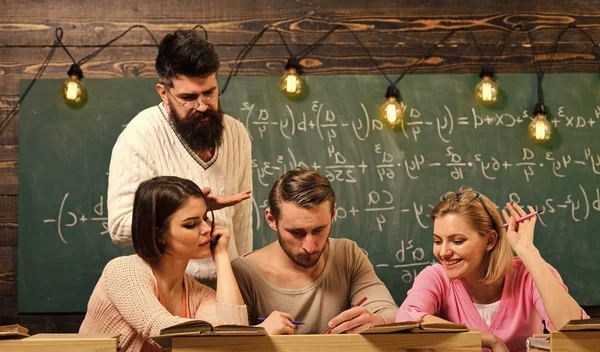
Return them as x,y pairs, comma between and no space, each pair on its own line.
149,147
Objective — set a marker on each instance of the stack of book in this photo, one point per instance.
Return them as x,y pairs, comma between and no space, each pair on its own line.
14,331
576,335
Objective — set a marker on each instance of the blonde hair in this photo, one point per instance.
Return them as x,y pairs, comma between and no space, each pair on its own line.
470,204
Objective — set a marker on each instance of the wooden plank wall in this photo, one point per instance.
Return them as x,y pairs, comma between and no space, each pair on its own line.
396,33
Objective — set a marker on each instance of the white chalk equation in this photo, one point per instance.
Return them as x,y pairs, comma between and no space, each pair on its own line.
327,123
381,207
410,260
387,165
68,219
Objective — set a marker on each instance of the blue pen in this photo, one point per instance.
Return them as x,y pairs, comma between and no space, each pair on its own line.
293,321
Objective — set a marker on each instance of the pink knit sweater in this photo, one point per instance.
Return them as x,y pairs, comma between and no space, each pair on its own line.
125,301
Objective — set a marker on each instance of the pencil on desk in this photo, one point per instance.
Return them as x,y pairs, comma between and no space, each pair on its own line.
362,300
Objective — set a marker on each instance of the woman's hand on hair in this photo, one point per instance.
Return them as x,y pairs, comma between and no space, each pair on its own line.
216,203
220,241
520,236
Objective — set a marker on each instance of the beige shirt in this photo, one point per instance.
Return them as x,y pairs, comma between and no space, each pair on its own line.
348,276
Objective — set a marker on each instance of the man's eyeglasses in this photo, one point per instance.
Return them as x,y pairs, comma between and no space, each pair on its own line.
468,196
195,104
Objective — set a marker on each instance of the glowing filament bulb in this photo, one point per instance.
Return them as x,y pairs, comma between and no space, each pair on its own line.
72,90
486,91
540,129
391,112
291,84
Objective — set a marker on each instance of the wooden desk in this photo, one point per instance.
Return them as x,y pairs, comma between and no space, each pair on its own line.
429,342
63,343
575,341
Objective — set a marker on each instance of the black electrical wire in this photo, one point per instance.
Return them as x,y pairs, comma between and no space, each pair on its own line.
102,47
246,49
38,75
539,71
195,27
433,49
58,43
242,54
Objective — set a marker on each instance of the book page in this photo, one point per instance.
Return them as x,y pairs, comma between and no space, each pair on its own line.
92,336
14,328
391,328
582,324
188,326
441,327
233,330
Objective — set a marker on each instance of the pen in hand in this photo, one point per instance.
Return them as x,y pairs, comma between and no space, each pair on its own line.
362,300
528,216
291,321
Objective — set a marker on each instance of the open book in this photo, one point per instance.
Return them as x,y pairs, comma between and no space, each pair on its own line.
582,324
203,328
200,327
414,327
14,331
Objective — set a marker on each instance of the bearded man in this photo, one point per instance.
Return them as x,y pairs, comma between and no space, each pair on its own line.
187,136
305,282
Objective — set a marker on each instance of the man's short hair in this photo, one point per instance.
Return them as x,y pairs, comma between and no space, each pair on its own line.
304,187
185,53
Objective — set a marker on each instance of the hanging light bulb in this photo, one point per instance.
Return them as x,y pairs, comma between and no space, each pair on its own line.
291,84
486,92
392,112
72,91
540,129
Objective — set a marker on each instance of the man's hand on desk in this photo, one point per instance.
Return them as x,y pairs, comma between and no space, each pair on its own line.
353,320
278,323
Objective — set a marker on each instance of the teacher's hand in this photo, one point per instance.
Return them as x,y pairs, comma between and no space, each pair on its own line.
216,203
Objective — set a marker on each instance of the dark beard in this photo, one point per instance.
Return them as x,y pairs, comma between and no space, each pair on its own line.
200,135
297,258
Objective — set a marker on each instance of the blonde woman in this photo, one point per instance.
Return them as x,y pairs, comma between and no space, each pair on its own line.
480,283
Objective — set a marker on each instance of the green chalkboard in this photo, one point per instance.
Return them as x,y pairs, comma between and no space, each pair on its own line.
386,180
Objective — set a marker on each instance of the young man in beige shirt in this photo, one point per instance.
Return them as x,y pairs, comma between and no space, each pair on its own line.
305,275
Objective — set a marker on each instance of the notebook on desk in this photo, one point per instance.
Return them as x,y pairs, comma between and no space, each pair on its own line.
415,327
13,331
198,328
582,324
